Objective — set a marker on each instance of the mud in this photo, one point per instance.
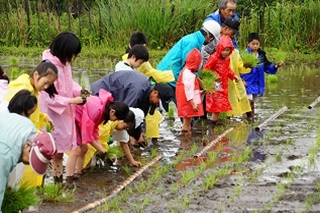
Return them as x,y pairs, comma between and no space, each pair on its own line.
278,174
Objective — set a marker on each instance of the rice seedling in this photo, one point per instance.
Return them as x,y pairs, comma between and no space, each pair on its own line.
56,193
114,152
127,169
272,79
277,56
208,79
19,198
171,109
249,60
154,153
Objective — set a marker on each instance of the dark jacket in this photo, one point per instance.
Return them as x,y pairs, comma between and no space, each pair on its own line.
130,87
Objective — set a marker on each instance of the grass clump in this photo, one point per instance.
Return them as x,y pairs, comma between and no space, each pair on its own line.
277,56
272,79
208,79
19,198
249,60
56,193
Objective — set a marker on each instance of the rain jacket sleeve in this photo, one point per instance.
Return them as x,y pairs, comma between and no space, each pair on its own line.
6,165
160,76
188,81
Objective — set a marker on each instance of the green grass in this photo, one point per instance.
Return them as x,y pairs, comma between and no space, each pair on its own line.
16,199
208,79
56,193
249,60
272,79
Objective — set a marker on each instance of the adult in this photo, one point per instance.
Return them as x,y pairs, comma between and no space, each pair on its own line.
176,57
226,9
134,89
19,142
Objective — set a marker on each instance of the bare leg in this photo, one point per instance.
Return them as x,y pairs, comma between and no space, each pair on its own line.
80,161
71,162
215,116
186,124
57,168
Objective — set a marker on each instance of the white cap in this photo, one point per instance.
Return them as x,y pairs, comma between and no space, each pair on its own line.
139,115
212,27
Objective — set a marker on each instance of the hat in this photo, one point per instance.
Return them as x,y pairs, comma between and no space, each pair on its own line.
166,95
233,24
42,151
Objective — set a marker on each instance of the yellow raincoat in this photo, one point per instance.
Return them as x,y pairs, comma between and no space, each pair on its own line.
104,134
236,90
29,178
157,75
152,121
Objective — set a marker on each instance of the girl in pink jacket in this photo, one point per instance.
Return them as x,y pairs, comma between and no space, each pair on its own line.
64,48
89,116
188,90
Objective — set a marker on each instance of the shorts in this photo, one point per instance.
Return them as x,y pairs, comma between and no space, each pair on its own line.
252,97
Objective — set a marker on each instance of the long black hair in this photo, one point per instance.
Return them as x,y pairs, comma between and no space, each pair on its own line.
47,68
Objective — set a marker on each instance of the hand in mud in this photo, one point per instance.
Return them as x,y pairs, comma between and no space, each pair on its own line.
135,163
237,78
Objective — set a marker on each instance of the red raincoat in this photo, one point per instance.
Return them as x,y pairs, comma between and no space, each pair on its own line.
218,101
188,87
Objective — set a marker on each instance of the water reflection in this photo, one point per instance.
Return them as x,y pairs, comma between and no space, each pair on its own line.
256,141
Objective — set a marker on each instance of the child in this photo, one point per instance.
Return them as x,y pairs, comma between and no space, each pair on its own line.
89,116
219,62
23,103
4,81
64,48
41,79
236,90
188,91
19,143
105,130
139,38
254,80
137,55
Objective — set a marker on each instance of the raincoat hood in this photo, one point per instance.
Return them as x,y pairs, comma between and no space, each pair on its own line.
225,41
193,60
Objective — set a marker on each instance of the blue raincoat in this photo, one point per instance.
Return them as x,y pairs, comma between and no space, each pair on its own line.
15,130
255,81
175,59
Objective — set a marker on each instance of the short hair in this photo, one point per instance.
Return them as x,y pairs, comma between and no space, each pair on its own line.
137,38
3,75
130,119
65,46
140,52
121,109
45,68
253,36
22,102
223,3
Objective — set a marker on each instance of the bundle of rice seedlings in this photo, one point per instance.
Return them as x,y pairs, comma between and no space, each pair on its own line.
56,193
249,60
208,79
277,56
272,79
114,152
19,198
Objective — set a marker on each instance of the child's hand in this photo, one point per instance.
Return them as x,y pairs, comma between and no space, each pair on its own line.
50,122
135,163
244,83
195,106
280,64
77,100
237,78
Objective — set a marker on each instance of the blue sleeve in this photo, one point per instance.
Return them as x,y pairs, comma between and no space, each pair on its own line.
271,69
5,168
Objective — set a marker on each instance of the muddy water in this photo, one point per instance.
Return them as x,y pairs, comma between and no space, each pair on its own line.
280,149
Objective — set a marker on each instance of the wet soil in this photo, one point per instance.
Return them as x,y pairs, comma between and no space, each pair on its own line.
274,170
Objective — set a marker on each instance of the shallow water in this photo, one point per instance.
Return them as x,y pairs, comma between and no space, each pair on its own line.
281,146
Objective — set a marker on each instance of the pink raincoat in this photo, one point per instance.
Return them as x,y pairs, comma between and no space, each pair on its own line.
188,87
90,115
58,108
218,101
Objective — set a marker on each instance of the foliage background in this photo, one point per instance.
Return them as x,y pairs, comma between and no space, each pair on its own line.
287,25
